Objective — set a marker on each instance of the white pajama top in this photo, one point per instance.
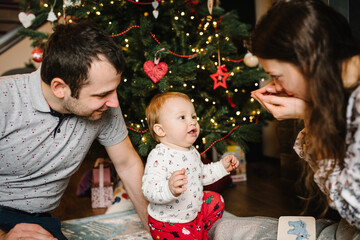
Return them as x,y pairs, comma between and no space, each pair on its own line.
161,163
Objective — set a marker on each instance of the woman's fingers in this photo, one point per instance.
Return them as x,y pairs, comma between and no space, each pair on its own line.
285,107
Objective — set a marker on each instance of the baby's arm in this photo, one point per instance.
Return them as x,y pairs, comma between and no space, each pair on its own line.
176,182
230,162
155,186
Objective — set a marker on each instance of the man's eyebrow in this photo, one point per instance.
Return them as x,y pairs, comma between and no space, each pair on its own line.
103,93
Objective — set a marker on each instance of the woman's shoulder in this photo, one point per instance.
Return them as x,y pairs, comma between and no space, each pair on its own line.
355,93
354,102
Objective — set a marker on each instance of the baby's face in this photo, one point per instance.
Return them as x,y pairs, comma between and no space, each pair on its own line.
179,122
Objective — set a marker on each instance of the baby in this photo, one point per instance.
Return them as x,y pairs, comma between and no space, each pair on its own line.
174,174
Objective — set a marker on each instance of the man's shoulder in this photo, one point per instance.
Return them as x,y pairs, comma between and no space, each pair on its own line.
14,82
13,88
110,114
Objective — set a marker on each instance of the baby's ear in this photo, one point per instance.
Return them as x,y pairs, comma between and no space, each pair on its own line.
159,130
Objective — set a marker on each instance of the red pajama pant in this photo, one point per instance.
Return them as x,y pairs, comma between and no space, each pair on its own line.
211,210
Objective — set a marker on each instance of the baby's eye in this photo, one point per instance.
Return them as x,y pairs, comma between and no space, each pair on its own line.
194,117
182,117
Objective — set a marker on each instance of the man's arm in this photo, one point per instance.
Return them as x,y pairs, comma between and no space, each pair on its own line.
26,231
130,168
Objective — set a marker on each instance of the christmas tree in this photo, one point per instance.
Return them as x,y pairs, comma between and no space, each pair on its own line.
187,46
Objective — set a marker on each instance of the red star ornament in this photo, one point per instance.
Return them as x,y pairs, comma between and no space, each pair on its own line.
220,77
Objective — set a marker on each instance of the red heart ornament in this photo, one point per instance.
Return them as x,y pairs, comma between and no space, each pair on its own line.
155,72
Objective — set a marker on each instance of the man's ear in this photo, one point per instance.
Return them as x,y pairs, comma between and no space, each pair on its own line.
59,87
159,130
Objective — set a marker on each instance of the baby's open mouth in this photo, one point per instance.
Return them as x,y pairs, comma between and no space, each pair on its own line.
192,131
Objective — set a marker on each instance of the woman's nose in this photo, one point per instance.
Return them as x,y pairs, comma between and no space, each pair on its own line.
278,87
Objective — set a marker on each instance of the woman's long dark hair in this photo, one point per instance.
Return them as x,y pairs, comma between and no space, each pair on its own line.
318,40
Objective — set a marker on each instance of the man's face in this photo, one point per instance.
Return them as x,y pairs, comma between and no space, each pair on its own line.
98,95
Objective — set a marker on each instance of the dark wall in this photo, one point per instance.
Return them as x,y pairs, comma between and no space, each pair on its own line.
245,9
354,17
351,10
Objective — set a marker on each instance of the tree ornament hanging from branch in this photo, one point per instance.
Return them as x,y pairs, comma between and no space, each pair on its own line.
220,77
155,70
231,102
155,12
210,5
191,5
26,19
250,60
36,54
71,3
52,17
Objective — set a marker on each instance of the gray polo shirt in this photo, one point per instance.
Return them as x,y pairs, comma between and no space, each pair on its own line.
35,164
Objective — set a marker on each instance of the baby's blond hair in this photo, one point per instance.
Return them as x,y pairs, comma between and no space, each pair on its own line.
152,111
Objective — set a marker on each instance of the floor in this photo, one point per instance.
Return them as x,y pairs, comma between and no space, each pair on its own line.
263,194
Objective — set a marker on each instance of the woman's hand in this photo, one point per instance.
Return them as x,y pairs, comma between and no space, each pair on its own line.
280,105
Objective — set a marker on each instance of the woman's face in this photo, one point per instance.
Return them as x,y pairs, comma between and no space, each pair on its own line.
287,78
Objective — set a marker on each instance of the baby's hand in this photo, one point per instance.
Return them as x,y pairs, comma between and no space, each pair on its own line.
176,182
230,162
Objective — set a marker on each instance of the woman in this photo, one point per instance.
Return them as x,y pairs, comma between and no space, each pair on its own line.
309,51
314,61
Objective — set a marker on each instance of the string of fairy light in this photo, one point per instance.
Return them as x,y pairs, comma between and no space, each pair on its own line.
136,127
212,120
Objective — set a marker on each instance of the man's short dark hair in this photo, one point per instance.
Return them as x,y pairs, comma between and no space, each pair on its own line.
72,48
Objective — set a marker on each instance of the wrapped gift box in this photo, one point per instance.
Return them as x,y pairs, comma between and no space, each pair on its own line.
101,188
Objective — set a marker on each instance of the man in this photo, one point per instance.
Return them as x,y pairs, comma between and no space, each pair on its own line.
48,121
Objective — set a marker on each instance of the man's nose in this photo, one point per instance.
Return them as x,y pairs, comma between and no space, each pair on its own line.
112,100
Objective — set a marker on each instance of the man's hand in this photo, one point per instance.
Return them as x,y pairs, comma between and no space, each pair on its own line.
23,231
176,182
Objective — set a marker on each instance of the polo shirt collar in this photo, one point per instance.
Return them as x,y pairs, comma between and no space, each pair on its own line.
37,97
